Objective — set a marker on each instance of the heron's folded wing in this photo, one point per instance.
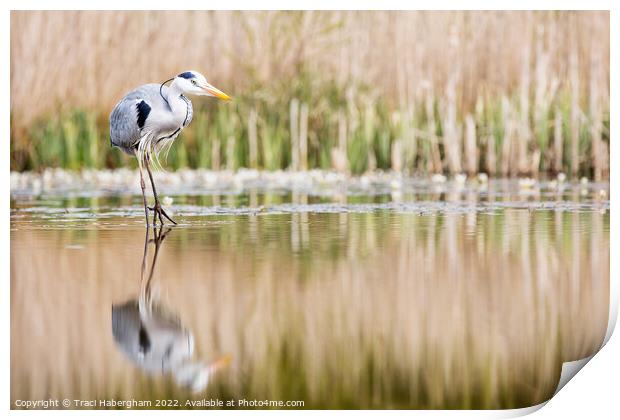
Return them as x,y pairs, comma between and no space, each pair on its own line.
124,128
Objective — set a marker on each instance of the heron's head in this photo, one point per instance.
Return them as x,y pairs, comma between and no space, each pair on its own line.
193,83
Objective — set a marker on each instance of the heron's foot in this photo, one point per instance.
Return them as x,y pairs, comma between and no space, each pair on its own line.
158,212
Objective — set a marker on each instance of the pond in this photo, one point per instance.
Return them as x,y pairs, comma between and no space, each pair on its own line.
388,296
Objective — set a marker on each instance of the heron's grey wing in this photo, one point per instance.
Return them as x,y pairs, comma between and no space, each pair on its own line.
124,129
130,115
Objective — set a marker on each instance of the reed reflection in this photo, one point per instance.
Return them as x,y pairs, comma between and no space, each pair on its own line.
152,337
398,309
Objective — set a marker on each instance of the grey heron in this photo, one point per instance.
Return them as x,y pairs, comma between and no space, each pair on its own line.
148,119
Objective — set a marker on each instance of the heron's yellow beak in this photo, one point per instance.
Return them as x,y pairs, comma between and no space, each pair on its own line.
212,90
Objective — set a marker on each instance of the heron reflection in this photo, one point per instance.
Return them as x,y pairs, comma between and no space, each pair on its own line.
152,337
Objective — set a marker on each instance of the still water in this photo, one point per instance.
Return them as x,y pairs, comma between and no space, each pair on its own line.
462,299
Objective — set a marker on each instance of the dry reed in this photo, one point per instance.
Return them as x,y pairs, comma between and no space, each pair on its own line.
393,62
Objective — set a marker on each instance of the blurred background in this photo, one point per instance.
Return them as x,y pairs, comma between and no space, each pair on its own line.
506,93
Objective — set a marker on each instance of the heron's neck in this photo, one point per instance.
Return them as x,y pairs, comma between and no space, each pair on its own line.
173,96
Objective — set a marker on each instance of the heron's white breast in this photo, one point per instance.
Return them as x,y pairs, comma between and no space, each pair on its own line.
164,121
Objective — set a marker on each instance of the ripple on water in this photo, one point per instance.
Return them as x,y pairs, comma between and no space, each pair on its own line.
192,214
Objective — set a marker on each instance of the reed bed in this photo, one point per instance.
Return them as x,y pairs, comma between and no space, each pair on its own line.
339,310
507,93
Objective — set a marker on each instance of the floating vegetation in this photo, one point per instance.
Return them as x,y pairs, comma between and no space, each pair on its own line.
92,183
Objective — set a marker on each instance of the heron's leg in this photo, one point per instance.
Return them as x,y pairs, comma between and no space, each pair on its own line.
143,187
157,209
156,206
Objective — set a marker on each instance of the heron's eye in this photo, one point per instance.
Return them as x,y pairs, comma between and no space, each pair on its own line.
194,82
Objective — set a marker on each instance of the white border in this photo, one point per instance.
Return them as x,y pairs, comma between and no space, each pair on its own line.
595,392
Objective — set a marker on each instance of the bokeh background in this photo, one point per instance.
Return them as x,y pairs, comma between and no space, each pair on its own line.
507,93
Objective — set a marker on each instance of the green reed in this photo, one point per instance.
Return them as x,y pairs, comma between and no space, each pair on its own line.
376,136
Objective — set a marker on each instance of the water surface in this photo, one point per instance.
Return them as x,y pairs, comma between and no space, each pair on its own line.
379,297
